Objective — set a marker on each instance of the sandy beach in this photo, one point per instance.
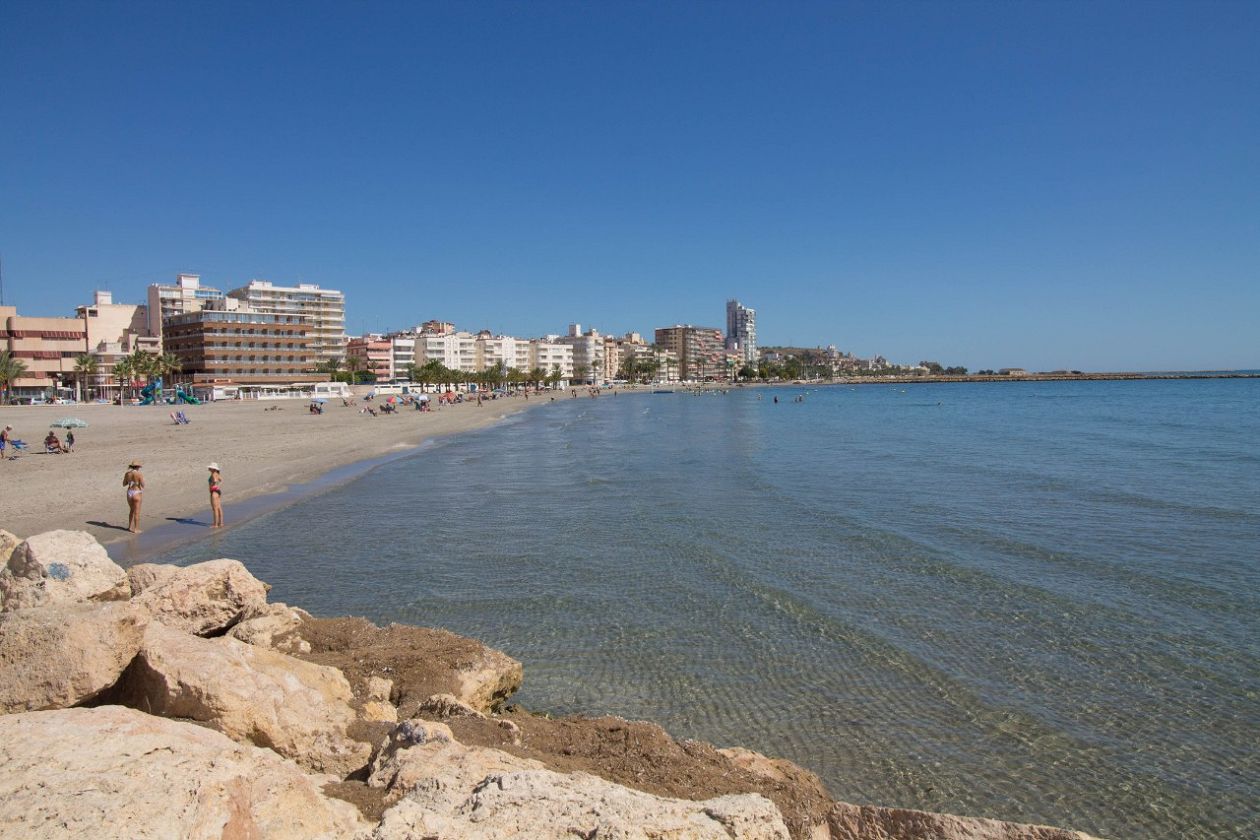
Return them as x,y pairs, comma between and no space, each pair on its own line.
262,447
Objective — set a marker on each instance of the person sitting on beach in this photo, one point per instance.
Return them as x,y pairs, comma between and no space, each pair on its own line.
52,444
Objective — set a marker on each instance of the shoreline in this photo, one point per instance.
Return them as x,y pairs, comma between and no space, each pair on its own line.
267,463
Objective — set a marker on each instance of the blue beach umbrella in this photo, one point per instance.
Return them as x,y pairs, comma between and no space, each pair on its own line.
70,423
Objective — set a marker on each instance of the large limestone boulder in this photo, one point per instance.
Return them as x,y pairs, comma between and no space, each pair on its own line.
203,599
61,655
867,822
117,774
444,789
273,626
60,567
544,805
250,694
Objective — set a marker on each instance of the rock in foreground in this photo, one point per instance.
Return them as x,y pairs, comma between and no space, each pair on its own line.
250,694
60,567
118,773
62,655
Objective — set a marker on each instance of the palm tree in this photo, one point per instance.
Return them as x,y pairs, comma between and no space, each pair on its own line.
85,365
330,366
579,373
11,370
123,370
354,366
166,364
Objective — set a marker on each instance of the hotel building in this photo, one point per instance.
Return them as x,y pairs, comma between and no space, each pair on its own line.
324,311
233,344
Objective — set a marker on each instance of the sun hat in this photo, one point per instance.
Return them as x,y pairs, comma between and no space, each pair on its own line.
213,465
135,462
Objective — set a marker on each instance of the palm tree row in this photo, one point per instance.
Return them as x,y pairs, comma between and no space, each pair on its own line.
143,364
434,372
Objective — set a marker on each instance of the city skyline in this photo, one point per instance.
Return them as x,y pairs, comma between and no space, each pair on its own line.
1046,186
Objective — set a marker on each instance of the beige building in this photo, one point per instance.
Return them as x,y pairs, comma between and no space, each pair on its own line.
324,311
47,347
185,295
701,351
114,330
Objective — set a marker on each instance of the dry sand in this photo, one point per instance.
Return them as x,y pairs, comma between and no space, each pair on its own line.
259,451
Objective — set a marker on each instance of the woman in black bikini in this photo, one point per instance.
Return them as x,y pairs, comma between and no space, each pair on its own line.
216,494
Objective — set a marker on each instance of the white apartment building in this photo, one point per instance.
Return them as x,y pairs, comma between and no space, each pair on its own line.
322,310
402,355
589,351
456,350
741,330
550,355
185,295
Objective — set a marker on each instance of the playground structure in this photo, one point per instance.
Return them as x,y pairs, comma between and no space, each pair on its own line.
152,394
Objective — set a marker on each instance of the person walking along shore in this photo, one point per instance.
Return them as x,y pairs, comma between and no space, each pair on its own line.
216,494
133,480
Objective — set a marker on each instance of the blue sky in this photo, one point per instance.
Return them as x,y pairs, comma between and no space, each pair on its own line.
1046,185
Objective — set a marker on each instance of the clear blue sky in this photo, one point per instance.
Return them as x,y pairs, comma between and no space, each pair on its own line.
1046,185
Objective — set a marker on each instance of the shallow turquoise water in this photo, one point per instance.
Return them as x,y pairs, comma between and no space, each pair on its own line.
1031,601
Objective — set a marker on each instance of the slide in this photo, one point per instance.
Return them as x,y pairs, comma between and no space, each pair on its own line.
152,392
183,396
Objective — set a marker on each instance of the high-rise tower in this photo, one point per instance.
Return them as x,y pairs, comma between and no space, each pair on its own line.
741,329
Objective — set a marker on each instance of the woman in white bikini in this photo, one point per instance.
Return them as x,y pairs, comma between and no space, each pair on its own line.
134,482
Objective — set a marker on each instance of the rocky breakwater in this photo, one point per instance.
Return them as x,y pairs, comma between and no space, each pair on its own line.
176,702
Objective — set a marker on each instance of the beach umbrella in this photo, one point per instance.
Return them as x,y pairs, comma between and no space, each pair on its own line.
319,400
70,423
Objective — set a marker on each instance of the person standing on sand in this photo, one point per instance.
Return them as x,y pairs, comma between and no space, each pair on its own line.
6,435
134,482
216,494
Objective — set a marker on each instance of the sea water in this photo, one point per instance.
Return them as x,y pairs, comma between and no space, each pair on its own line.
1029,601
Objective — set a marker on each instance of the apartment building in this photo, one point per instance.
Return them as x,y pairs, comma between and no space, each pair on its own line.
374,354
185,295
455,350
114,330
324,311
232,343
589,352
551,356
700,351
741,331
47,347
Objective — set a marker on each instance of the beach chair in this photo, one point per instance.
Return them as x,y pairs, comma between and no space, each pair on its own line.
17,446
